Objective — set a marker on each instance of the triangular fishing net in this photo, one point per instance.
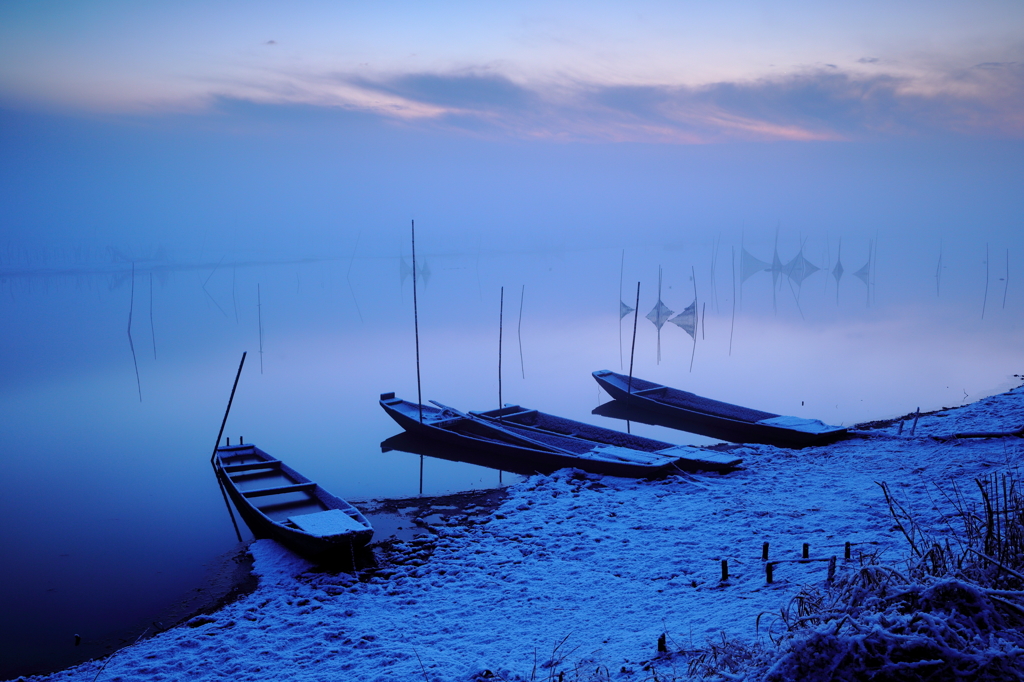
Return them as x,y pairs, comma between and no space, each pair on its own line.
624,310
864,274
837,271
799,268
687,320
750,265
777,267
659,314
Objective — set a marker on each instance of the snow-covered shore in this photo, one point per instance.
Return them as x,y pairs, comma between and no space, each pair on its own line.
574,571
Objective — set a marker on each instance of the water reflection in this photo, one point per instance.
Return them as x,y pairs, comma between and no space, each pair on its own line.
111,510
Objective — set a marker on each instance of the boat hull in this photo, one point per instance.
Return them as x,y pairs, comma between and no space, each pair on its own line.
248,473
714,419
687,458
508,449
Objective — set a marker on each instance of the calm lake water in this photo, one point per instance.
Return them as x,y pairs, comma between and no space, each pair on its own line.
112,513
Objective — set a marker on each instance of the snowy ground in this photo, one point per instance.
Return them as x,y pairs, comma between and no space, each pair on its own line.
573,572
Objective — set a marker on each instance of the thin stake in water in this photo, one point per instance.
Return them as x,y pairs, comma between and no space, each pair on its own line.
501,317
632,350
522,296
693,353
732,326
1006,285
152,330
622,271
416,323
984,300
131,308
259,316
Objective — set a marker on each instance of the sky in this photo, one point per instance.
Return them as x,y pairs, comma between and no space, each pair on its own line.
180,125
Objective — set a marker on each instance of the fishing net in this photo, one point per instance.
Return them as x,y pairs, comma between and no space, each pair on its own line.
687,320
659,314
799,268
749,265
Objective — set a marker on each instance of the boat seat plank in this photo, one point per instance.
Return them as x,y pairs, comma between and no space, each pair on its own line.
330,522
234,468
279,490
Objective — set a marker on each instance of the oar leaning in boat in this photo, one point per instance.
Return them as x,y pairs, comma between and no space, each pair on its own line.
597,451
529,442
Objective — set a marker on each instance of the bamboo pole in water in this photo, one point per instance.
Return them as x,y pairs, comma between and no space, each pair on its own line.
131,309
632,350
732,325
693,353
259,312
522,297
416,323
622,270
1006,285
984,300
501,317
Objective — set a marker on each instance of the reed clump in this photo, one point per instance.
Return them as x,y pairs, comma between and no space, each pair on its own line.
954,611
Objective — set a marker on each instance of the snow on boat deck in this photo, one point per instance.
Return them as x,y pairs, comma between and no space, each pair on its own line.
605,564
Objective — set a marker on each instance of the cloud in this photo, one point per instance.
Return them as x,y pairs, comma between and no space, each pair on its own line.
826,103
469,91
823,103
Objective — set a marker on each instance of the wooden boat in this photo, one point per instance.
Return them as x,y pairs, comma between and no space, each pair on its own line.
279,503
515,447
696,414
540,423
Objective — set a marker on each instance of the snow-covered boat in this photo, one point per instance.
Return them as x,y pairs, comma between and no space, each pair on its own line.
713,418
279,503
541,425
515,447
